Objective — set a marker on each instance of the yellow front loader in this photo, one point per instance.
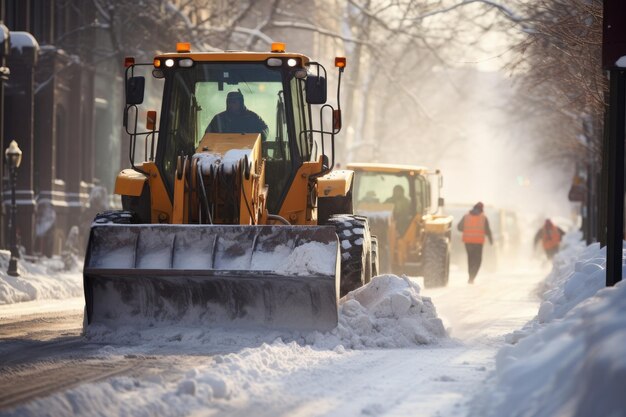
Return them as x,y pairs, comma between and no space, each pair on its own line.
234,216
413,238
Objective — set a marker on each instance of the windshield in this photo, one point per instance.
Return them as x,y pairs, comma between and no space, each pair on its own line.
372,190
227,98
377,188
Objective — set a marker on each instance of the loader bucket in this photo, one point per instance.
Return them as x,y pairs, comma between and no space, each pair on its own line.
212,276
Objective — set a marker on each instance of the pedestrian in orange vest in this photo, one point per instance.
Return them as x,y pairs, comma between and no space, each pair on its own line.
550,236
475,228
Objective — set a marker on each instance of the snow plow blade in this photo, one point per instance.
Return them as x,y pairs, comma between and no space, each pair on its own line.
279,277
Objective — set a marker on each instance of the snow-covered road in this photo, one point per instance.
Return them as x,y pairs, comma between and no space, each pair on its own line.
496,304
285,378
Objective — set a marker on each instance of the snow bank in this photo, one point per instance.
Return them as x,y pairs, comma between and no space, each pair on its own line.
386,313
48,279
570,360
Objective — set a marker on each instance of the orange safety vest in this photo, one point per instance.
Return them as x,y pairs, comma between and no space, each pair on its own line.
550,237
474,228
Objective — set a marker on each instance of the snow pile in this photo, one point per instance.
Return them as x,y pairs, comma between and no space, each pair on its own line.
47,279
310,258
574,363
582,279
386,313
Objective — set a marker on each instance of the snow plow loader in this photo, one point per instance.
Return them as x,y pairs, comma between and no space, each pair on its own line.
413,234
234,217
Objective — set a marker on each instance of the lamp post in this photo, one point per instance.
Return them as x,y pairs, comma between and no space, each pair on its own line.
5,48
13,155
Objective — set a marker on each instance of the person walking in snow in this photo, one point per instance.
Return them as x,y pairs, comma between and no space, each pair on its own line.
475,228
550,236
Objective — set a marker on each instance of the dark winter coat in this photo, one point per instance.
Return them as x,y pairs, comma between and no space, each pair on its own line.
245,121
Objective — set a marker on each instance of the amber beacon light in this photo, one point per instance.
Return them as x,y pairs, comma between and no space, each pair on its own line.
183,47
278,47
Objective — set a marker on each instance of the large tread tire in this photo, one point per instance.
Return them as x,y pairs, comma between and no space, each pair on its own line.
375,257
355,250
436,261
379,226
116,217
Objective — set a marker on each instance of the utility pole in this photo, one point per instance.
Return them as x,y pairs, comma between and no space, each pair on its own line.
614,61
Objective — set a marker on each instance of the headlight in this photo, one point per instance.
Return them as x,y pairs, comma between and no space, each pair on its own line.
185,63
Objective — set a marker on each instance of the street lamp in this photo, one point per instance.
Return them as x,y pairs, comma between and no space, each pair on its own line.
13,155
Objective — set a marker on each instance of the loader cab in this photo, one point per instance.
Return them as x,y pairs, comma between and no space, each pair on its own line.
273,104
377,191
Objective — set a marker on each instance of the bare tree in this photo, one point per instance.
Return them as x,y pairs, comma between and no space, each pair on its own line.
392,46
560,61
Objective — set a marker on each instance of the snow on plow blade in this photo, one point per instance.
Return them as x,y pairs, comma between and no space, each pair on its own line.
284,277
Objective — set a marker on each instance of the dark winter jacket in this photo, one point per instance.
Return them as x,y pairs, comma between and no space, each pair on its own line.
245,121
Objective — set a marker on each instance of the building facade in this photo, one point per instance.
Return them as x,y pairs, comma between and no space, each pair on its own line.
61,106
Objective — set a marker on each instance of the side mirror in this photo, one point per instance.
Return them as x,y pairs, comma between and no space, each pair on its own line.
135,87
315,89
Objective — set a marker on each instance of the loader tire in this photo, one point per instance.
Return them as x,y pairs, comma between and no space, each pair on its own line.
375,257
379,226
355,250
116,217
436,261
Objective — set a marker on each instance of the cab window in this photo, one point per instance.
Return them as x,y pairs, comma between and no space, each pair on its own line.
301,119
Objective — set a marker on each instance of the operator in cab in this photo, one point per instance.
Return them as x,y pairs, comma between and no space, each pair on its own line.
237,118
401,209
